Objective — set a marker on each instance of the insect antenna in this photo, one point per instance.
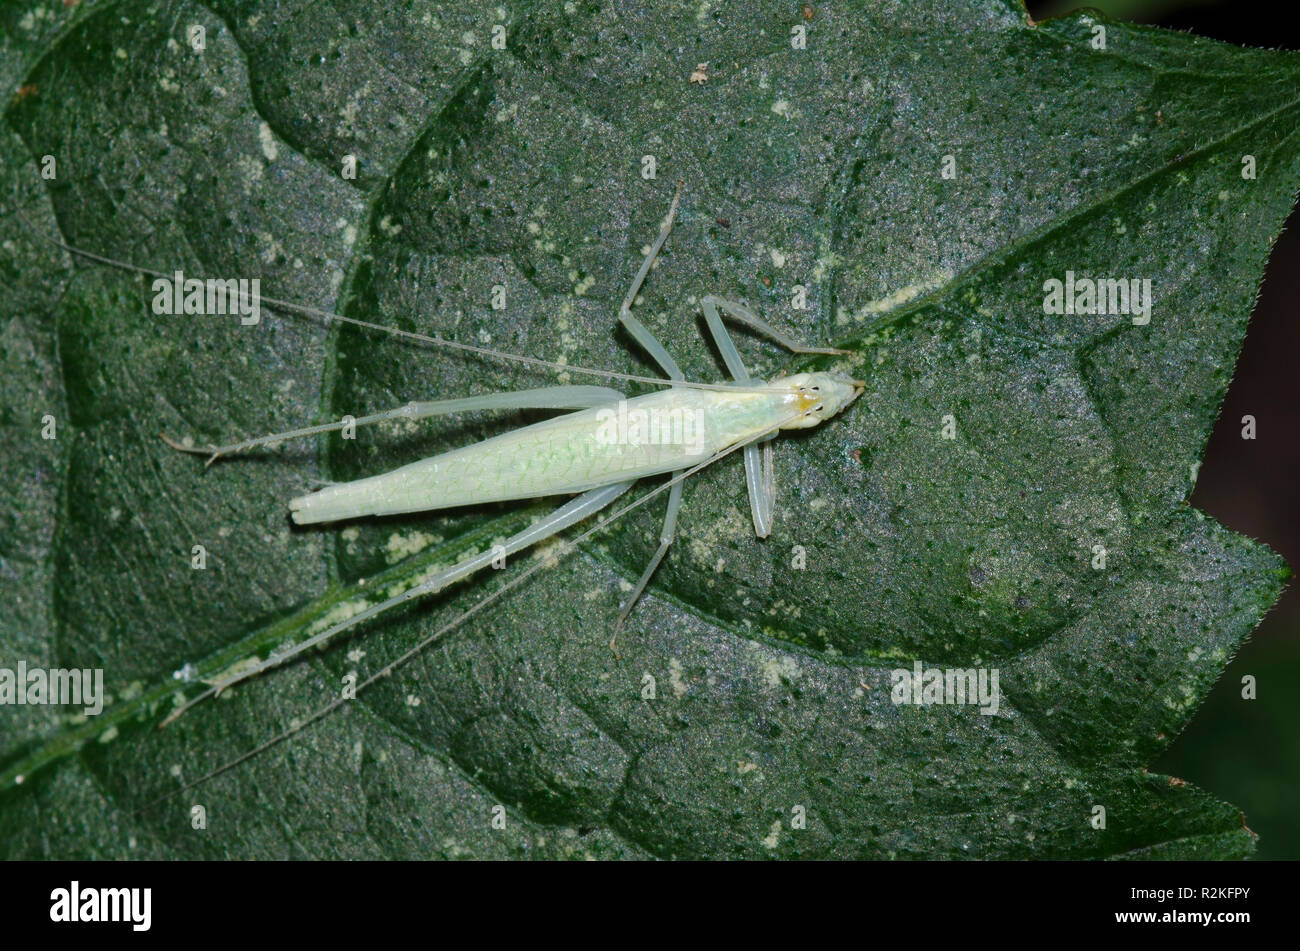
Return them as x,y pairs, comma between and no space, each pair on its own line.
305,310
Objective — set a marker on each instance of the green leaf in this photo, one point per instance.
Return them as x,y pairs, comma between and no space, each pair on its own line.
522,167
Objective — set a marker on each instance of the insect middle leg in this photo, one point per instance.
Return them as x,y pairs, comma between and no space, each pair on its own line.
669,530
642,335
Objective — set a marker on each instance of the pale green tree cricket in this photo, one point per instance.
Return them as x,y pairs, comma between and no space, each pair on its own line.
591,452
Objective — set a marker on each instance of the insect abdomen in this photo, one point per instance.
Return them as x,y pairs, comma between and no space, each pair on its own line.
565,455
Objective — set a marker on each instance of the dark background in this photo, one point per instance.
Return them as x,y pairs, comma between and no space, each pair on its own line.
1248,752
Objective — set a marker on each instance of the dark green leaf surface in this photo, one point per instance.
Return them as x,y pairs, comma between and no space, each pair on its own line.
522,167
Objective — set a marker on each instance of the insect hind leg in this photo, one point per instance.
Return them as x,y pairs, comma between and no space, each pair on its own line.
546,397
576,510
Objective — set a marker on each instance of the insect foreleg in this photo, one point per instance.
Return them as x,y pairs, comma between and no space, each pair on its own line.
660,354
547,397
573,511
760,480
760,474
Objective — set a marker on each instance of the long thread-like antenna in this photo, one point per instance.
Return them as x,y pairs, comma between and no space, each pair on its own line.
329,316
